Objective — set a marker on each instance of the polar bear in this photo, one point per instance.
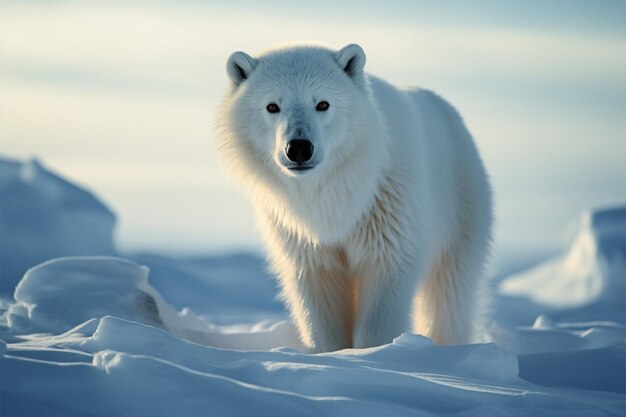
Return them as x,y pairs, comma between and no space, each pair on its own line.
372,200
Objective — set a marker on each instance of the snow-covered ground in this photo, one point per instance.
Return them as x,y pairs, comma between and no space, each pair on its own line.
97,332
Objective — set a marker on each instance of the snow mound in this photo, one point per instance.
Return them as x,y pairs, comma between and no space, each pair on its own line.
592,271
111,358
59,294
42,216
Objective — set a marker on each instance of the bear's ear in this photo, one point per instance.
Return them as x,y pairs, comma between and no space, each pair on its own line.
239,66
351,59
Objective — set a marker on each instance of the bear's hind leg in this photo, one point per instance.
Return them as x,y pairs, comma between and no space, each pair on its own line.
449,303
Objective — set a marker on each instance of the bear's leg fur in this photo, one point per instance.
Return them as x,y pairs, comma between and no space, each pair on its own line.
321,299
449,305
446,307
383,306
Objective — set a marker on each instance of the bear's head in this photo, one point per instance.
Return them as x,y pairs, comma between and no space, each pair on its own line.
297,112
300,127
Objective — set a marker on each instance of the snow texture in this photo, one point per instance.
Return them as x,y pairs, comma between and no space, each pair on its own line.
42,216
102,335
592,271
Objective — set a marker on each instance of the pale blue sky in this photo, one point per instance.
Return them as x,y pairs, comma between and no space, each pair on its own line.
120,96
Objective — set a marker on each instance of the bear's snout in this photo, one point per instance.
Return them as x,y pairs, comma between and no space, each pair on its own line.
299,150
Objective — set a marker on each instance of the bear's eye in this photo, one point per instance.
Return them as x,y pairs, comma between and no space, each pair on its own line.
273,108
322,106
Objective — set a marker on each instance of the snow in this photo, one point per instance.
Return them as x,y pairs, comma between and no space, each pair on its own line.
593,270
46,217
43,302
411,376
105,335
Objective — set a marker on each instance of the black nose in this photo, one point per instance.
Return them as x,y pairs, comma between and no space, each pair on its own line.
299,150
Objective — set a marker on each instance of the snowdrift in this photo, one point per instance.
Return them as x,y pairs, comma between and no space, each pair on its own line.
105,335
593,271
110,366
42,216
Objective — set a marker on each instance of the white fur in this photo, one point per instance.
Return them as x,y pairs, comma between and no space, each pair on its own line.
394,218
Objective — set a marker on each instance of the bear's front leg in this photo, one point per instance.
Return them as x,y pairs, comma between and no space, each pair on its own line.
320,297
383,307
